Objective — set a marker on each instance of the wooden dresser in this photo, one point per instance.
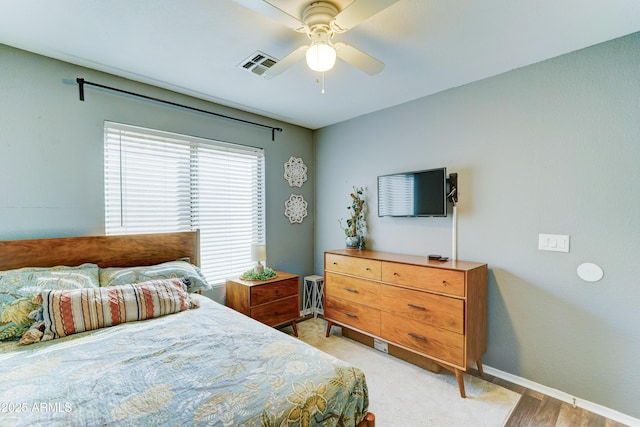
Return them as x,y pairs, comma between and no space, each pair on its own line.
432,308
273,302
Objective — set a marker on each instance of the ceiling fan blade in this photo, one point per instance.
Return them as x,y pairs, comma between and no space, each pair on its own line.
357,12
278,15
358,59
286,62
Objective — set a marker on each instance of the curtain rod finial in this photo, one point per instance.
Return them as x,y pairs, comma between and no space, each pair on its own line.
273,133
80,81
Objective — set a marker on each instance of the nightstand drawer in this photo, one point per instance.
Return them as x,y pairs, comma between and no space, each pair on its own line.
361,267
438,310
429,278
273,291
278,312
350,288
359,316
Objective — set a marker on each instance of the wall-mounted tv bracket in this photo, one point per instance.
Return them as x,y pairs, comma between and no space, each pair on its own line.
453,188
453,198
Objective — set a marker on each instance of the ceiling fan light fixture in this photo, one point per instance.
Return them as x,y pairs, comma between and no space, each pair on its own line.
321,57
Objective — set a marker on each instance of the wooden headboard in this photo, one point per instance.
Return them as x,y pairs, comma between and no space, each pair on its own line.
106,251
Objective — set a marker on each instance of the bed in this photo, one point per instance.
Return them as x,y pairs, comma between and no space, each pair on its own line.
200,366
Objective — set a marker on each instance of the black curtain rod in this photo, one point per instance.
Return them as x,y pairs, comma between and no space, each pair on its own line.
82,82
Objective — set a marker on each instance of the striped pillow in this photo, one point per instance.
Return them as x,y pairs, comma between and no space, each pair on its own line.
68,312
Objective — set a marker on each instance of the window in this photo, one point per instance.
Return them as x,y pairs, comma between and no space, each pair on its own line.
161,182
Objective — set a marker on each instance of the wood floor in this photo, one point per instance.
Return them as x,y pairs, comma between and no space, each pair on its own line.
539,410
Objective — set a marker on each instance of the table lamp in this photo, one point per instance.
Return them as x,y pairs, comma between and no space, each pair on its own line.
258,254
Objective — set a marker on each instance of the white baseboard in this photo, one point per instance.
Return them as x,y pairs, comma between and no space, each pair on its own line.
565,397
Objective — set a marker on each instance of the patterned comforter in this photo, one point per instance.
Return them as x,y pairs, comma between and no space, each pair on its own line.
209,366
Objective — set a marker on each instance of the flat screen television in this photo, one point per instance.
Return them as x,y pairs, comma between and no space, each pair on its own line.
420,193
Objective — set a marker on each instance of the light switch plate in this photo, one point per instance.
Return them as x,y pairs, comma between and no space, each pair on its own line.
553,242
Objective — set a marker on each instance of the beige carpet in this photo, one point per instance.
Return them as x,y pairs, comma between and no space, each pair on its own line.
403,395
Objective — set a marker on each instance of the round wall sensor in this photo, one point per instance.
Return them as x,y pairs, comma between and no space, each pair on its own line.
590,272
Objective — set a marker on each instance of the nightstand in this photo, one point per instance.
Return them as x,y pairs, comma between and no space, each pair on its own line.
273,302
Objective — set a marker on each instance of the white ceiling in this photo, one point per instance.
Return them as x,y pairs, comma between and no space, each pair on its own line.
195,46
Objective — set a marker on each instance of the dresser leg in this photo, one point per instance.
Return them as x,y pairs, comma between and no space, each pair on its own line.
479,365
460,383
295,328
329,325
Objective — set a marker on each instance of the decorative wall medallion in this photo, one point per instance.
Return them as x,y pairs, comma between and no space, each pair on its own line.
295,209
295,172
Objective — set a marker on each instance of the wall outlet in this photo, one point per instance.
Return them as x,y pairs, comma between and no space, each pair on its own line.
381,346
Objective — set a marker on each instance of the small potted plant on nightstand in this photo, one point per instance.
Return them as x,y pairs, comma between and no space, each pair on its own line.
356,223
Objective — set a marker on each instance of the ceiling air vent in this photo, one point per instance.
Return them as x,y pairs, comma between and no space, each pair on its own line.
258,63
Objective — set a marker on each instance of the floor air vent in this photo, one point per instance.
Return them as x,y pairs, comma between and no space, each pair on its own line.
258,63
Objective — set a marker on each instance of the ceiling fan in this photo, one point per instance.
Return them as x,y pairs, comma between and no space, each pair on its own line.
320,21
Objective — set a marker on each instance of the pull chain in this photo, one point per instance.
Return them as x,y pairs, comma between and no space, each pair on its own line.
318,81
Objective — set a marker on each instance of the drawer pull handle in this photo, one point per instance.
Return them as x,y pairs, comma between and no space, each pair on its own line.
335,263
368,269
351,290
417,307
395,274
418,337
349,314
444,283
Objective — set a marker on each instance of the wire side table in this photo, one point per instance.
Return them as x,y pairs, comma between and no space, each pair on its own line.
313,296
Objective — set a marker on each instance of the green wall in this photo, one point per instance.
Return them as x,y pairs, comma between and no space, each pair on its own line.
549,148
51,152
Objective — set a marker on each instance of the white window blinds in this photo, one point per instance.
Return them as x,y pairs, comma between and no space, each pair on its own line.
160,182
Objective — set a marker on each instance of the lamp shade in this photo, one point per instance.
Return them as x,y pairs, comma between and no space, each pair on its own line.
321,57
258,252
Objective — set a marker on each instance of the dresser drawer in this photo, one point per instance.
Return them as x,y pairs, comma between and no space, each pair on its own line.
367,268
272,291
438,310
359,316
427,339
278,312
353,289
429,278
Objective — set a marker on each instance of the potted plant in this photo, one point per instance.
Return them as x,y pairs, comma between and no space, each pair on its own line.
356,223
